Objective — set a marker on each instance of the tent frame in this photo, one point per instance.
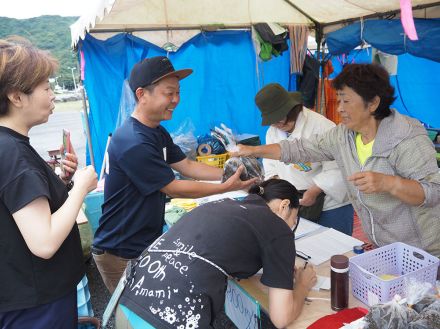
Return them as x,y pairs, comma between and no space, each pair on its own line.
318,27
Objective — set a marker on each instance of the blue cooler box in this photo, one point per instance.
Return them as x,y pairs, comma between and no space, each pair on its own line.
92,208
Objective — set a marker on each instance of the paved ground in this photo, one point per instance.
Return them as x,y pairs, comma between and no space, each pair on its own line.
48,136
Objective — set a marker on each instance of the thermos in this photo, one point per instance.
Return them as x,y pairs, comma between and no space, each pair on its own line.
339,282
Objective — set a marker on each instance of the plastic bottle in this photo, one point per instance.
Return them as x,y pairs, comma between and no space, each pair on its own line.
339,282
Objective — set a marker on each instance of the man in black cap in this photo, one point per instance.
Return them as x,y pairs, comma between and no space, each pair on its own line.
142,157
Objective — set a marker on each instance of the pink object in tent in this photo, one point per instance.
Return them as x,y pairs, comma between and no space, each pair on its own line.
82,64
407,19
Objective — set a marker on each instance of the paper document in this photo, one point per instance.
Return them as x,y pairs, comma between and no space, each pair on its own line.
215,197
322,245
323,282
305,227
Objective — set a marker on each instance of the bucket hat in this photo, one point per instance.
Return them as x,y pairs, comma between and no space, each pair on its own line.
275,102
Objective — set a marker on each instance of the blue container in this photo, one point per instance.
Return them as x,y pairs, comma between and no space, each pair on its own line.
93,202
83,298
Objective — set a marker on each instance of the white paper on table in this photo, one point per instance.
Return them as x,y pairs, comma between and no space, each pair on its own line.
323,245
323,282
215,197
305,227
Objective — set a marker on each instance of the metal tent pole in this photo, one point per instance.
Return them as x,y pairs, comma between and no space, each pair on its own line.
86,118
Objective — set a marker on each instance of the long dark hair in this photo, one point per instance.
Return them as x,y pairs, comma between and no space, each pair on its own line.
276,189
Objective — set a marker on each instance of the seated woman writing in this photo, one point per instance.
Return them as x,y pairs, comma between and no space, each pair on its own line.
180,281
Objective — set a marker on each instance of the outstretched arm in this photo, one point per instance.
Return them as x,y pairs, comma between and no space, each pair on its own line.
270,151
193,189
197,170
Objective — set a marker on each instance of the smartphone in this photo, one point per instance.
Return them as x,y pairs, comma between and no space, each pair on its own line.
67,146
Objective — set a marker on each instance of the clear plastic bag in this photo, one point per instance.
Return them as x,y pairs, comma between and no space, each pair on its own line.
416,290
209,145
252,168
226,137
429,317
126,104
185,139
392,315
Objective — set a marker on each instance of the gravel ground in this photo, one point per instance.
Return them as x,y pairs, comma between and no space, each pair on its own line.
100,297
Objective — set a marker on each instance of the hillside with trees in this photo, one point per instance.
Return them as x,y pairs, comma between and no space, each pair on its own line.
51,33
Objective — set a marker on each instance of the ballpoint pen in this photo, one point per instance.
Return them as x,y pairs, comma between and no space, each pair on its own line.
305,264
302,255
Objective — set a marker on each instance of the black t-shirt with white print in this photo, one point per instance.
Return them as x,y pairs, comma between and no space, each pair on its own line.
179,290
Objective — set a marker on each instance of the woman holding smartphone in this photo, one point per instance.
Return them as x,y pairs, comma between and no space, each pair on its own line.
41,257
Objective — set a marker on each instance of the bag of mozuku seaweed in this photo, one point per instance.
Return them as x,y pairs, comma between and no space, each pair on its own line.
252,168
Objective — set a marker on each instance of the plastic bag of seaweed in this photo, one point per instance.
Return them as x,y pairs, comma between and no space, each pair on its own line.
392,315
428,318
252,168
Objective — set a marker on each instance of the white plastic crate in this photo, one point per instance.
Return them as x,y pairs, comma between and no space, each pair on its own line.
397,259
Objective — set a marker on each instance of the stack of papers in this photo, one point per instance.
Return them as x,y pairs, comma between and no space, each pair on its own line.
215,197
305,227
324,244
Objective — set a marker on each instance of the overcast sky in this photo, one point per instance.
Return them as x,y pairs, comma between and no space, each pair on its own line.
34,8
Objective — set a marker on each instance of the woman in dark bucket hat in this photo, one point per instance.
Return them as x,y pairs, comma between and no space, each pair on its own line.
275,103
324,194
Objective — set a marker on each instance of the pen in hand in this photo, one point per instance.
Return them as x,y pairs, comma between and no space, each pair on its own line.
305,264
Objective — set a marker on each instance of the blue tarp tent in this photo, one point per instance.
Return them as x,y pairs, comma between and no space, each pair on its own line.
418,79
416,84
226,77
392,42
221,89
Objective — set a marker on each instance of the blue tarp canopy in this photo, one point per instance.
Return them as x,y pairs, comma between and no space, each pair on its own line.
225,81
221,90
389,37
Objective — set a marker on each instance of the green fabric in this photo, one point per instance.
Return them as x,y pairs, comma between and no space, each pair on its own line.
85,232
265,48
173,214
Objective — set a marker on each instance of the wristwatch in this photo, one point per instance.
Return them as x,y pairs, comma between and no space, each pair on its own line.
69,185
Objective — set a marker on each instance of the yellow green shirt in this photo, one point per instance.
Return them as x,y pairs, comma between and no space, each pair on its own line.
364,151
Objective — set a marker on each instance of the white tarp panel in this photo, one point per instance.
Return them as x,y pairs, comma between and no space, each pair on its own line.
135,15
328,11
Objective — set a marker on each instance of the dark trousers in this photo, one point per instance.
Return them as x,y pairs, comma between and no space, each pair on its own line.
60,314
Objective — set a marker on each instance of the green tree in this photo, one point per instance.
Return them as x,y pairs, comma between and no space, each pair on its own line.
50,33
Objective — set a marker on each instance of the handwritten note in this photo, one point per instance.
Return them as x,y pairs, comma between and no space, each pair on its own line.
241,308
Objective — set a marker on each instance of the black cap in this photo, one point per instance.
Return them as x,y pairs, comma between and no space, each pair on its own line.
151,70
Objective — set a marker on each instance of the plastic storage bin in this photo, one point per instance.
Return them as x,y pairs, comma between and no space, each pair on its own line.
92,208
215,160
397,259
83,298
